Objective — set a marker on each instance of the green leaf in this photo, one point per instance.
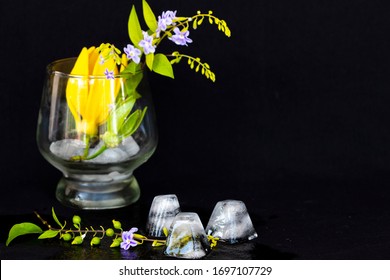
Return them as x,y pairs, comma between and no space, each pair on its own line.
130,124
22,229
134,28
118,116
150,60
149,16
133,122
132,83
130,68
162,65
55,217
116,243
49,234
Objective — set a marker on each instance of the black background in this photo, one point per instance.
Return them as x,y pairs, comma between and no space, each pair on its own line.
296,125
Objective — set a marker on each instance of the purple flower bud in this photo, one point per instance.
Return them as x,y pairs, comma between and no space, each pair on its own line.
180,38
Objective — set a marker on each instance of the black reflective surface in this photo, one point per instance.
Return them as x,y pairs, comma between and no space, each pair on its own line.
311,220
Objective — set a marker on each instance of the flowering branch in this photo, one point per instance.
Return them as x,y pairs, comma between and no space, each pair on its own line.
222,26
170,26
77,234
192,61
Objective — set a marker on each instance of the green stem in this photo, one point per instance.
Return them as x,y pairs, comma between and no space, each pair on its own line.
179,23
98,153
42,220
151,240
91,230
86,150
85,155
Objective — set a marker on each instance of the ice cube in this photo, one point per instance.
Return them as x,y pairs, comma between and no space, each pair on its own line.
187,238
111,155
163,210
230,222
68,148
129,146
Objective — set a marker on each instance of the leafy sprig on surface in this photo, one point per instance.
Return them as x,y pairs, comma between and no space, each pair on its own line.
77,234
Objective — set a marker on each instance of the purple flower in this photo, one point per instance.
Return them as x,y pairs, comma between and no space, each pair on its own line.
180,38
132,53
146,43
128,239
164,21
109,74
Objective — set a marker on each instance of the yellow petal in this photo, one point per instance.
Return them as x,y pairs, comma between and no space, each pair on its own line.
81,65
93,55
102,93
123,62
86,127
77,87
91,99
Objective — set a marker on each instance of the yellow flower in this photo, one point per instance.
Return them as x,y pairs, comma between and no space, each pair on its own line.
213,241
90,95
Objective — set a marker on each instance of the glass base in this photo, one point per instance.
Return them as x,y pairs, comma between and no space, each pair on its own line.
98,195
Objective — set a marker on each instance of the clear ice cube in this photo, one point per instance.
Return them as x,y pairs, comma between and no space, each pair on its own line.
129,146
230,222
163,210
68,148
187,238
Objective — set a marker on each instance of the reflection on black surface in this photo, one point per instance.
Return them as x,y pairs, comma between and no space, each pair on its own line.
244,251
59,250
247,251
